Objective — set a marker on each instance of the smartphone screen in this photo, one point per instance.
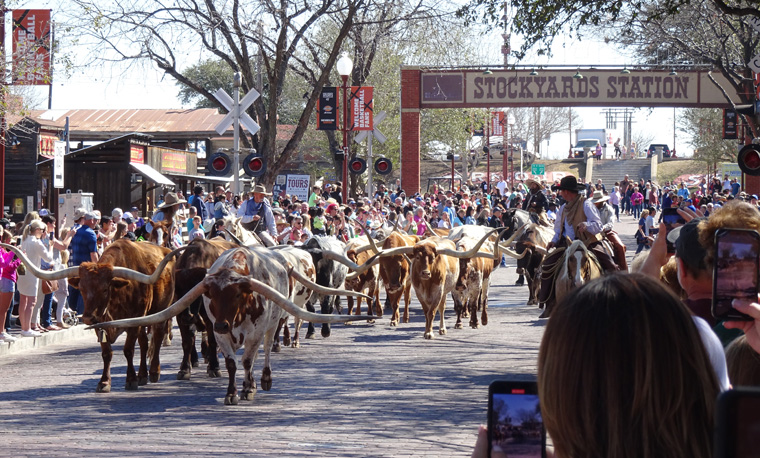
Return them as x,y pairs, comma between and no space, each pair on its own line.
735,271
672,219
737,432
515,426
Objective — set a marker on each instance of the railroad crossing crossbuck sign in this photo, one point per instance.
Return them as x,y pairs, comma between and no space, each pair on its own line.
227,102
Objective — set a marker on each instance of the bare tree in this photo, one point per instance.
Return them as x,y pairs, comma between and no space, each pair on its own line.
240,34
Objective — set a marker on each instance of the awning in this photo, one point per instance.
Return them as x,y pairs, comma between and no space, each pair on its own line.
210,179
152,174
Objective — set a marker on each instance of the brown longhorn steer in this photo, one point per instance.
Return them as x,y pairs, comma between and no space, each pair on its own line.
245,295
471,291
357,250
130,280
394,271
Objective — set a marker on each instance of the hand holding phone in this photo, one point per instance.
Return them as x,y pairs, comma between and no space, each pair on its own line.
515,426
735,271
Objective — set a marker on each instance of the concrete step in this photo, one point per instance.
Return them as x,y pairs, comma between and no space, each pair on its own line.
610,171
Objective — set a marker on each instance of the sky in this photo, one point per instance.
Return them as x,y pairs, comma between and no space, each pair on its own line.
146,87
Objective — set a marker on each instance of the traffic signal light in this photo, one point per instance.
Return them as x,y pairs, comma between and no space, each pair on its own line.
254,165
357,165
749,159
383,166
219,164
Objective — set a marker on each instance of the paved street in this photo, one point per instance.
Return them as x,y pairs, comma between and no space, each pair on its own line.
368,390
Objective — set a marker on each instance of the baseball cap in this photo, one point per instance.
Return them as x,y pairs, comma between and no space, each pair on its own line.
127,219
688,248
79,213
44,212
91,215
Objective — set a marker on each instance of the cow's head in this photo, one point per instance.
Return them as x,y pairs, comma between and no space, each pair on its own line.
465,268
97,284
424,255
232,300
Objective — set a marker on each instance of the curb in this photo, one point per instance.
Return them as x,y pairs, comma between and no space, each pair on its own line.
48,338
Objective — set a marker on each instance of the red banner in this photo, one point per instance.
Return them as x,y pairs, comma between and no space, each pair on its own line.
137,154
497,123
360,102
31,47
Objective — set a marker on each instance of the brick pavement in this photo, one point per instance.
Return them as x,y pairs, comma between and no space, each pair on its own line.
368,390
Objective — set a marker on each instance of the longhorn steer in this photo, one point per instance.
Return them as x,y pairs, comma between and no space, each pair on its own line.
395,273
331,273
471,290
245,296
357,250
130,280
189,270
531,243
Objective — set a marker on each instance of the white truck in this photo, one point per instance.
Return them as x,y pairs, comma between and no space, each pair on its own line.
587,139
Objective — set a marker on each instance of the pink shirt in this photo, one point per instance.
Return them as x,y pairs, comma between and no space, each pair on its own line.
8,265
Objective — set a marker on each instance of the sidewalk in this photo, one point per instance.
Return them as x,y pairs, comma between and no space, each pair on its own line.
48,338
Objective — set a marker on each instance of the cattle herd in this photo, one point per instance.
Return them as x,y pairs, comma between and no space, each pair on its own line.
240,294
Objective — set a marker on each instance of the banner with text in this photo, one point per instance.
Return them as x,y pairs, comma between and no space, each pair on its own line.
360,105
31,47
497,123
298,185
327,109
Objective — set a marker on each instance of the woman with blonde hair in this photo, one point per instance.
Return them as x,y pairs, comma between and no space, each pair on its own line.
623,372
28,284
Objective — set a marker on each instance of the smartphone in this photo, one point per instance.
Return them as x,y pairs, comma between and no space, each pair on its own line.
672,219
737,423
515,426
735,271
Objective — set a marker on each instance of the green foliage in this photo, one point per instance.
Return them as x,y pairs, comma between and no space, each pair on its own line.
706,129
211,74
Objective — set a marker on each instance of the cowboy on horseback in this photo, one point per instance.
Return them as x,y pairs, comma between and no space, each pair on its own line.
257,215
535,203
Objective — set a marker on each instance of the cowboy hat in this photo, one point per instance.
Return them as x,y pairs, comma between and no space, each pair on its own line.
599,196
171,200
529,181
260,189
569,183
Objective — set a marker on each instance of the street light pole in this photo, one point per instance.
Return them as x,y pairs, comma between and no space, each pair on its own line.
345,66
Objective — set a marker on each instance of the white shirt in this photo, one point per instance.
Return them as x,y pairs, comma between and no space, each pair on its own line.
714,351
501,186
593,221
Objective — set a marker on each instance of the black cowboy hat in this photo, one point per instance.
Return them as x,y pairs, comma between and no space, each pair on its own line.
569,183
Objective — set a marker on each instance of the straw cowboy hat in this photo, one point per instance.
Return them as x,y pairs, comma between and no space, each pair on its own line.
171,200
599,196
260,189
529,181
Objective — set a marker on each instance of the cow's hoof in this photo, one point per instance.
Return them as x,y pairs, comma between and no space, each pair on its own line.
183,375
544,314
296,345
325,333
442,331
231,400
458,326
214,373
266,384
286,341
195,363
103,388
541,305
406,320
276,347
131,386
394,323
474,325
154,378
142,381
371,321
484,320
309,335
247,395
428,335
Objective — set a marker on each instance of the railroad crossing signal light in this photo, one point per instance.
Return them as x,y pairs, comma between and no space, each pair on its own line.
383,166
357,165
749,159
219,164
254,165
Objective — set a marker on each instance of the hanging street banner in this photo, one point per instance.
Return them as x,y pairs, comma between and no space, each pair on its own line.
31,47
497,123
360,107
571,87
730,118
327,109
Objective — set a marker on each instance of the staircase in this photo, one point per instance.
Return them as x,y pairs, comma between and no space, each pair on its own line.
610,170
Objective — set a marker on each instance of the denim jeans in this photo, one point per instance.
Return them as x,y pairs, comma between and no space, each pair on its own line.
636,211
47,306
617,211
75,300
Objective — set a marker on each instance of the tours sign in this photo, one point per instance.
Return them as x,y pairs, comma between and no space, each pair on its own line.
465,88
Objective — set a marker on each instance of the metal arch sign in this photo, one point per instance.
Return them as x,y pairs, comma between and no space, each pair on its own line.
646,88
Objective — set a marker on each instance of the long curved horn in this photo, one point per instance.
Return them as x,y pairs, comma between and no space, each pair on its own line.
130,274
164,315
43,274
233,237
364,248
372,243
282,301
323,289
518,231
541,250
510,252
340,258
471,252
